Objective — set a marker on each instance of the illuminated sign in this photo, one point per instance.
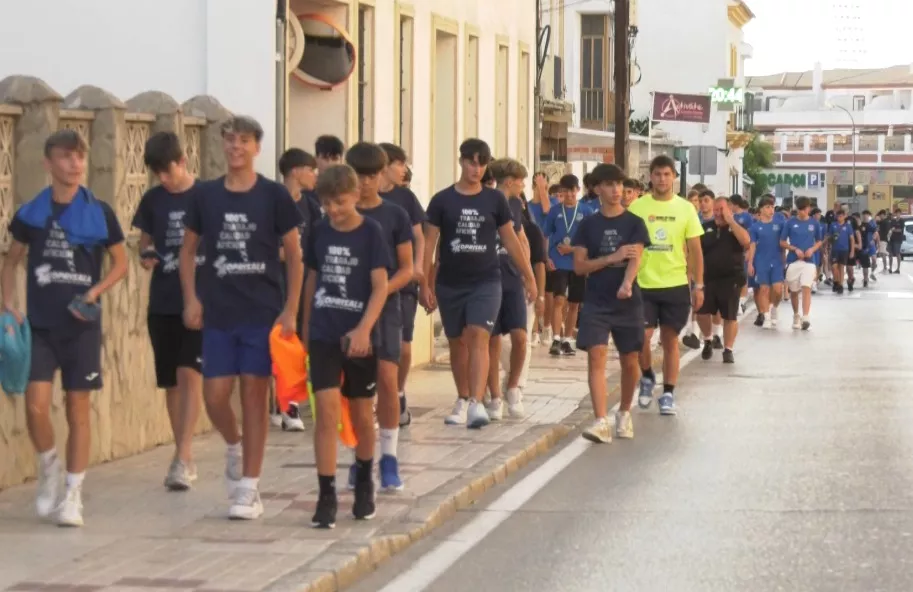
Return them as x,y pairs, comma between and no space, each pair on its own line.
727,95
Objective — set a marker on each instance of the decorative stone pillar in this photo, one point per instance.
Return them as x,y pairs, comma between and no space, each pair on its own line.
168,114
106,142
40,106
212,155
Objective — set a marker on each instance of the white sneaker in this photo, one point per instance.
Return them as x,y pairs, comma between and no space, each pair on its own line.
537,340
234,469
291,420
476,416
773,316
768,323
48,496
515,403
69,513
275,420
600,432
624,425
245,505
547,335
495,409
815,288
797,322
458,415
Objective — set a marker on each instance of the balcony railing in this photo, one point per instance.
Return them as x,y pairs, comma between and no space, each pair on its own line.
743,117
597,109
891,151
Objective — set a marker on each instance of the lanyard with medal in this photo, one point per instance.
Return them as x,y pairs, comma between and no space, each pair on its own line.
567,239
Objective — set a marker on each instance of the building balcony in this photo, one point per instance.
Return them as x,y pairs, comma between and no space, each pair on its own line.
597,109
832,119
837,150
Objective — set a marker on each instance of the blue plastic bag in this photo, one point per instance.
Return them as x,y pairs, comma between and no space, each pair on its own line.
15,354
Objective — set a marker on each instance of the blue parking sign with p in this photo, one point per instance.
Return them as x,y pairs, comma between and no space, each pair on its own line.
813,180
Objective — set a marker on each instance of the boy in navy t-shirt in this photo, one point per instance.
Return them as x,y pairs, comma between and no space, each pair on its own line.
242,220
66,233
843,241
394,188
510,176
369,161
607,249
346,288
469,218
177,350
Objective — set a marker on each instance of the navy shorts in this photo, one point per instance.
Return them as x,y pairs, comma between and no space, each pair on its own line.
840,257
408,305
768,274
75,352
233,352
331,368
566,283
462,306
597,324
387,336
173,346
512,315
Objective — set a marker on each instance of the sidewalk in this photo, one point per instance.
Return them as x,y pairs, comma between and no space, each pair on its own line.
138,537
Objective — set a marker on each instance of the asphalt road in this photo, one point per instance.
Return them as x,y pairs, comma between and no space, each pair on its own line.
790,470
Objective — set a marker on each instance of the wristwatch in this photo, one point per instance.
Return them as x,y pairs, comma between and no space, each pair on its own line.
699,287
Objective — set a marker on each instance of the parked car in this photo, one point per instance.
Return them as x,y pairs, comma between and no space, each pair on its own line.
906,249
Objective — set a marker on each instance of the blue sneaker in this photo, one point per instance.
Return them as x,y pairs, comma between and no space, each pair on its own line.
646,392
389,474
667,404
352,472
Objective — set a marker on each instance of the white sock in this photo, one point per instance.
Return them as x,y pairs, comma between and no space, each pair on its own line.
235,449
47,457
74,480
389,439
249,483
718,330
695,328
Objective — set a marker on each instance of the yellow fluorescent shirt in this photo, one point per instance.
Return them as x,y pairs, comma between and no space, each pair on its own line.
670,224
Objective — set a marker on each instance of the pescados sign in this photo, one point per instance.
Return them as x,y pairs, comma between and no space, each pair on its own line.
797,180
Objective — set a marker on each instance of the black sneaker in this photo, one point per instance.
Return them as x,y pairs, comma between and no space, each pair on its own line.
707,352
364,508
759,321
849,285
828,282
555,350
325,513
865,283
567,349
717,342
806,325
728,357
692,341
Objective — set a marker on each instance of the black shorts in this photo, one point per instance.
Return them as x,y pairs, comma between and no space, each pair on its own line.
894,249
173,346
722,296
597,324
840,257
387,338
330,368
865,260
408,305
76,353
667,307
513,313
567,283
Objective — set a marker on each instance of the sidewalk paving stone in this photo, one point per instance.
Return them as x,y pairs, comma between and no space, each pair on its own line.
138,537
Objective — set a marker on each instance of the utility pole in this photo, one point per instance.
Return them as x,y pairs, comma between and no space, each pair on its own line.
537,93
622,81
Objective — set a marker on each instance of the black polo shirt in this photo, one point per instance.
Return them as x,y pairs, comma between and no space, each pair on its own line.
724,255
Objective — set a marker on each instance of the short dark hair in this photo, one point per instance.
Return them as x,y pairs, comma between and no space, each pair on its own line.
488,177
765,201
553,189
707,193
569,182
394,153
162,149
814,212
881,213
607,173
65,139
661,162
698,187
507,168
366,158
329,146
631,184
408,177
473,148
588,180
242,124
294,158
336,180
898,211
802,203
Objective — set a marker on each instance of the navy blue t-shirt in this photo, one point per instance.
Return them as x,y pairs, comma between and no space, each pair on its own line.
314,204
602,236
310,212
161,215
58,271
397,229
343,262
842,236
406,199
510,275
241,233
469,227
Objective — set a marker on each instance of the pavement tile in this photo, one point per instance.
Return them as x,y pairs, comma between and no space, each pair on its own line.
140,538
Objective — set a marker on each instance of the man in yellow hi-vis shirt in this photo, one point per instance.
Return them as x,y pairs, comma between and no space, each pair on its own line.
668,296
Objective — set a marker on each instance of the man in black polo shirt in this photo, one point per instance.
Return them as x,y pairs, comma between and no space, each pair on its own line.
724,244
895,240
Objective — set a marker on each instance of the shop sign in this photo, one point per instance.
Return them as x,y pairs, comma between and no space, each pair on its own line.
794,180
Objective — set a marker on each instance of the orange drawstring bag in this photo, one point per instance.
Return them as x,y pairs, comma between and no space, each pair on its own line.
346,431
289,368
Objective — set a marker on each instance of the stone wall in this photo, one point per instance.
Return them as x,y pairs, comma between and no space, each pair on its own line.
128,414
